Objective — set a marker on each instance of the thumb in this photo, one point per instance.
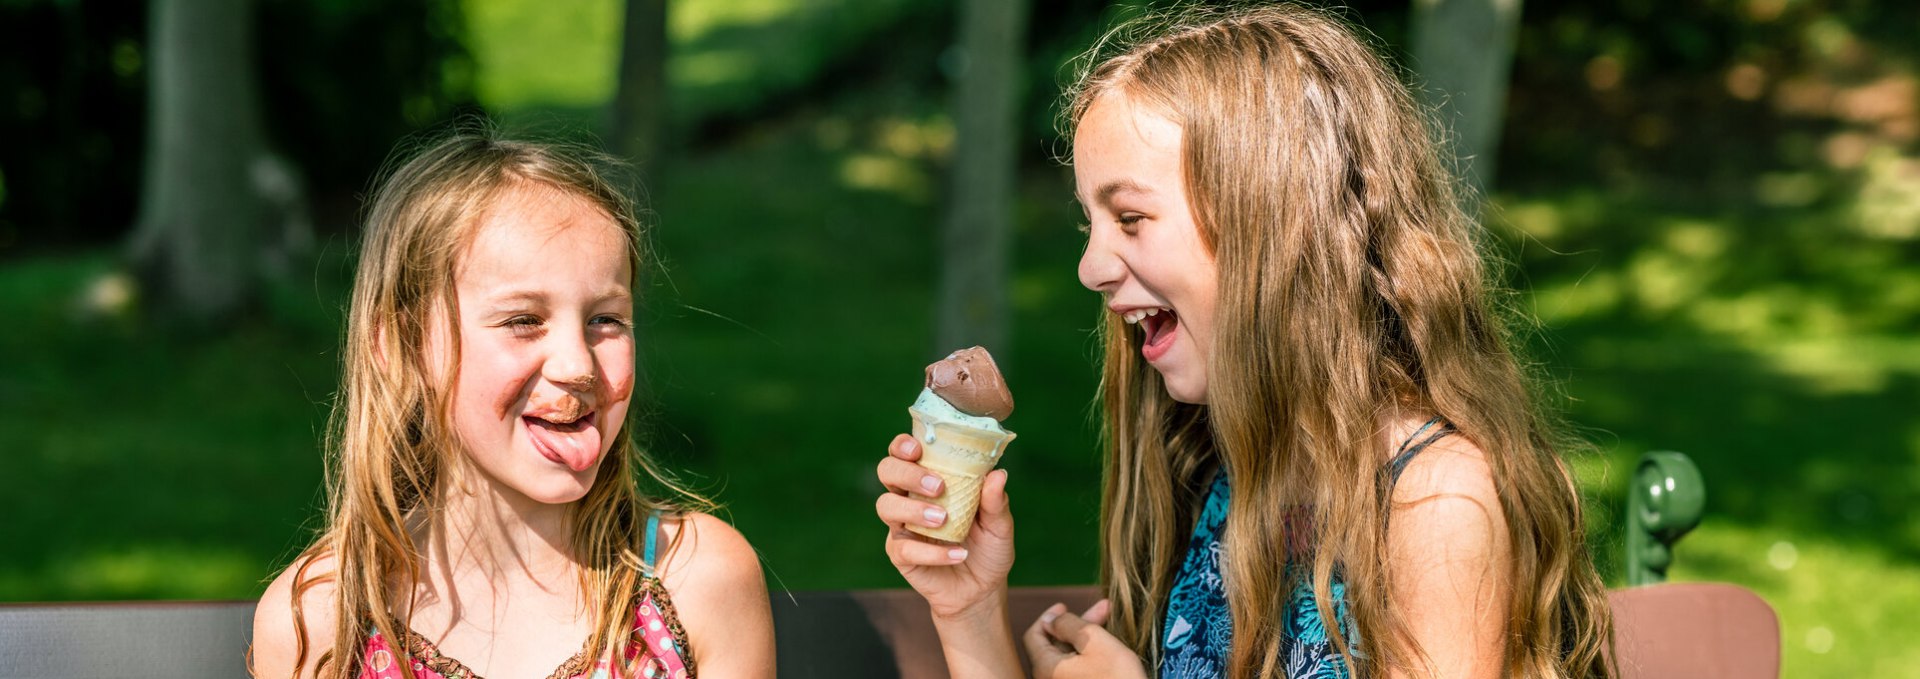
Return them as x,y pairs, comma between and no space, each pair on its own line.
1074,631
995,509
1099,612
1045,653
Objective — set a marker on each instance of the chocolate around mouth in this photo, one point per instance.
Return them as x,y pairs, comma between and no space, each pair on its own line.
561,409
576,425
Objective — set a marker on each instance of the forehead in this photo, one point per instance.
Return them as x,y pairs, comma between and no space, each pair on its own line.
1121,140
528,227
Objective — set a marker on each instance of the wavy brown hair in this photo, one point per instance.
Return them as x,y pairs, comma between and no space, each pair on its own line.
1350,287
392,452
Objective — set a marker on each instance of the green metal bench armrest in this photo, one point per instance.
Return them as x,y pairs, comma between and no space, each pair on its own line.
1664,501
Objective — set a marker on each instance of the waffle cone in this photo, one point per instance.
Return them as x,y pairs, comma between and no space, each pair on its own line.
961,456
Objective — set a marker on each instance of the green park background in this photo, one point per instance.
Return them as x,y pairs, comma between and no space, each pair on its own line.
1711,210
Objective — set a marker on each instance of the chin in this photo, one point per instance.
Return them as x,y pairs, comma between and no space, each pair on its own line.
1185,391
561,493
1191,398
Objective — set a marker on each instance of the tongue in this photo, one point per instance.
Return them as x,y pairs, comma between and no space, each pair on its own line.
1162,330
578,450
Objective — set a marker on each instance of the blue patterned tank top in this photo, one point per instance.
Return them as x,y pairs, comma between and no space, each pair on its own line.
1198,627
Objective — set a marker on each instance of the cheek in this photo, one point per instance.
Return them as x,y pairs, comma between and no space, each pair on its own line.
491,378
506,398
616,367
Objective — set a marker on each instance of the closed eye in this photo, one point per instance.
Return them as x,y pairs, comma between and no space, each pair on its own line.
523,325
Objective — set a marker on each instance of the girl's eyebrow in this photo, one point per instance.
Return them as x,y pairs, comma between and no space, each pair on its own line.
1107,191
537,297
532,296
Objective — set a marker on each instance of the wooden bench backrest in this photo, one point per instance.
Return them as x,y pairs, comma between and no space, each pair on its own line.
1697,630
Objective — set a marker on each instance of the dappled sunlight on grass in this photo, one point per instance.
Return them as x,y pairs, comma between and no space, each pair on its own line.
892,154
692,21
1844,609
545,53
876,172
1778,349
712,68
1889,205
141,572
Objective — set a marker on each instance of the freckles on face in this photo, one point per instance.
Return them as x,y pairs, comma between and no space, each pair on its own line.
546,365
1145,251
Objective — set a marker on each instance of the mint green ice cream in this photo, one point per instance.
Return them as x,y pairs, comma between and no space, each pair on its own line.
937,409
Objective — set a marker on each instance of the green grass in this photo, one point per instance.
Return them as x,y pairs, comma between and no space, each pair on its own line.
144,466
1775,348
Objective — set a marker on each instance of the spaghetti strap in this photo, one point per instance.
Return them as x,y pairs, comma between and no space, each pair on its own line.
1408,448
653,534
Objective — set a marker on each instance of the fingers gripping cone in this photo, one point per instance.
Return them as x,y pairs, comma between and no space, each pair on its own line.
961,456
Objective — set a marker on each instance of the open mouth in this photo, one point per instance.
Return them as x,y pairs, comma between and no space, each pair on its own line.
1157,326
564,427
575,444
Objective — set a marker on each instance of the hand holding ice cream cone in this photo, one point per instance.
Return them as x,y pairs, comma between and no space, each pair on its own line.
956,420
952,534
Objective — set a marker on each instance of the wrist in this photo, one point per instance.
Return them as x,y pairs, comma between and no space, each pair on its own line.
990,611
977,640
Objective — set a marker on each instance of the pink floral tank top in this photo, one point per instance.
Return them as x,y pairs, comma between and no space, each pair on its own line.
656,648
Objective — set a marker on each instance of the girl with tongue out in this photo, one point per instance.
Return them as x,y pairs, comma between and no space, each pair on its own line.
483,513
1322,458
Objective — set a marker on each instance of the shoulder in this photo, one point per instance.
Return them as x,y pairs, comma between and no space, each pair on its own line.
1449,569
1446,503
701,551
279,624
713,577
1452,470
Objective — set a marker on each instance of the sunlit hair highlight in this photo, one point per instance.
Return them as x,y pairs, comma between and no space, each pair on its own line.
1351,288
391,447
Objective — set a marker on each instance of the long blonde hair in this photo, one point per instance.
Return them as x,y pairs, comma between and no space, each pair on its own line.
1350,287
390,443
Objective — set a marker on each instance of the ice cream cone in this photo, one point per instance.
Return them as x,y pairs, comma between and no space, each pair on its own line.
961,456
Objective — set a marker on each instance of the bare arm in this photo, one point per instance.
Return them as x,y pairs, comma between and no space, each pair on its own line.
966,585
714,579
1449,563
275,648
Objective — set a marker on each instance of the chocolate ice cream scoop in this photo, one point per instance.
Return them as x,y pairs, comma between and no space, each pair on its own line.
970,382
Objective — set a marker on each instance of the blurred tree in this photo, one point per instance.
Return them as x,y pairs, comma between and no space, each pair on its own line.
216,207
978,226
639,100
1463,51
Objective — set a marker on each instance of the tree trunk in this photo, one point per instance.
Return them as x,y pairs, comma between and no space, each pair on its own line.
639,101
1463,49
212,195
977,232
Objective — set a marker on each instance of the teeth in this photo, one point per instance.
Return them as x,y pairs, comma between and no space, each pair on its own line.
1135,315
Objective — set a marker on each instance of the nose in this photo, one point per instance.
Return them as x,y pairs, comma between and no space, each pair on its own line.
1100,268
570,362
